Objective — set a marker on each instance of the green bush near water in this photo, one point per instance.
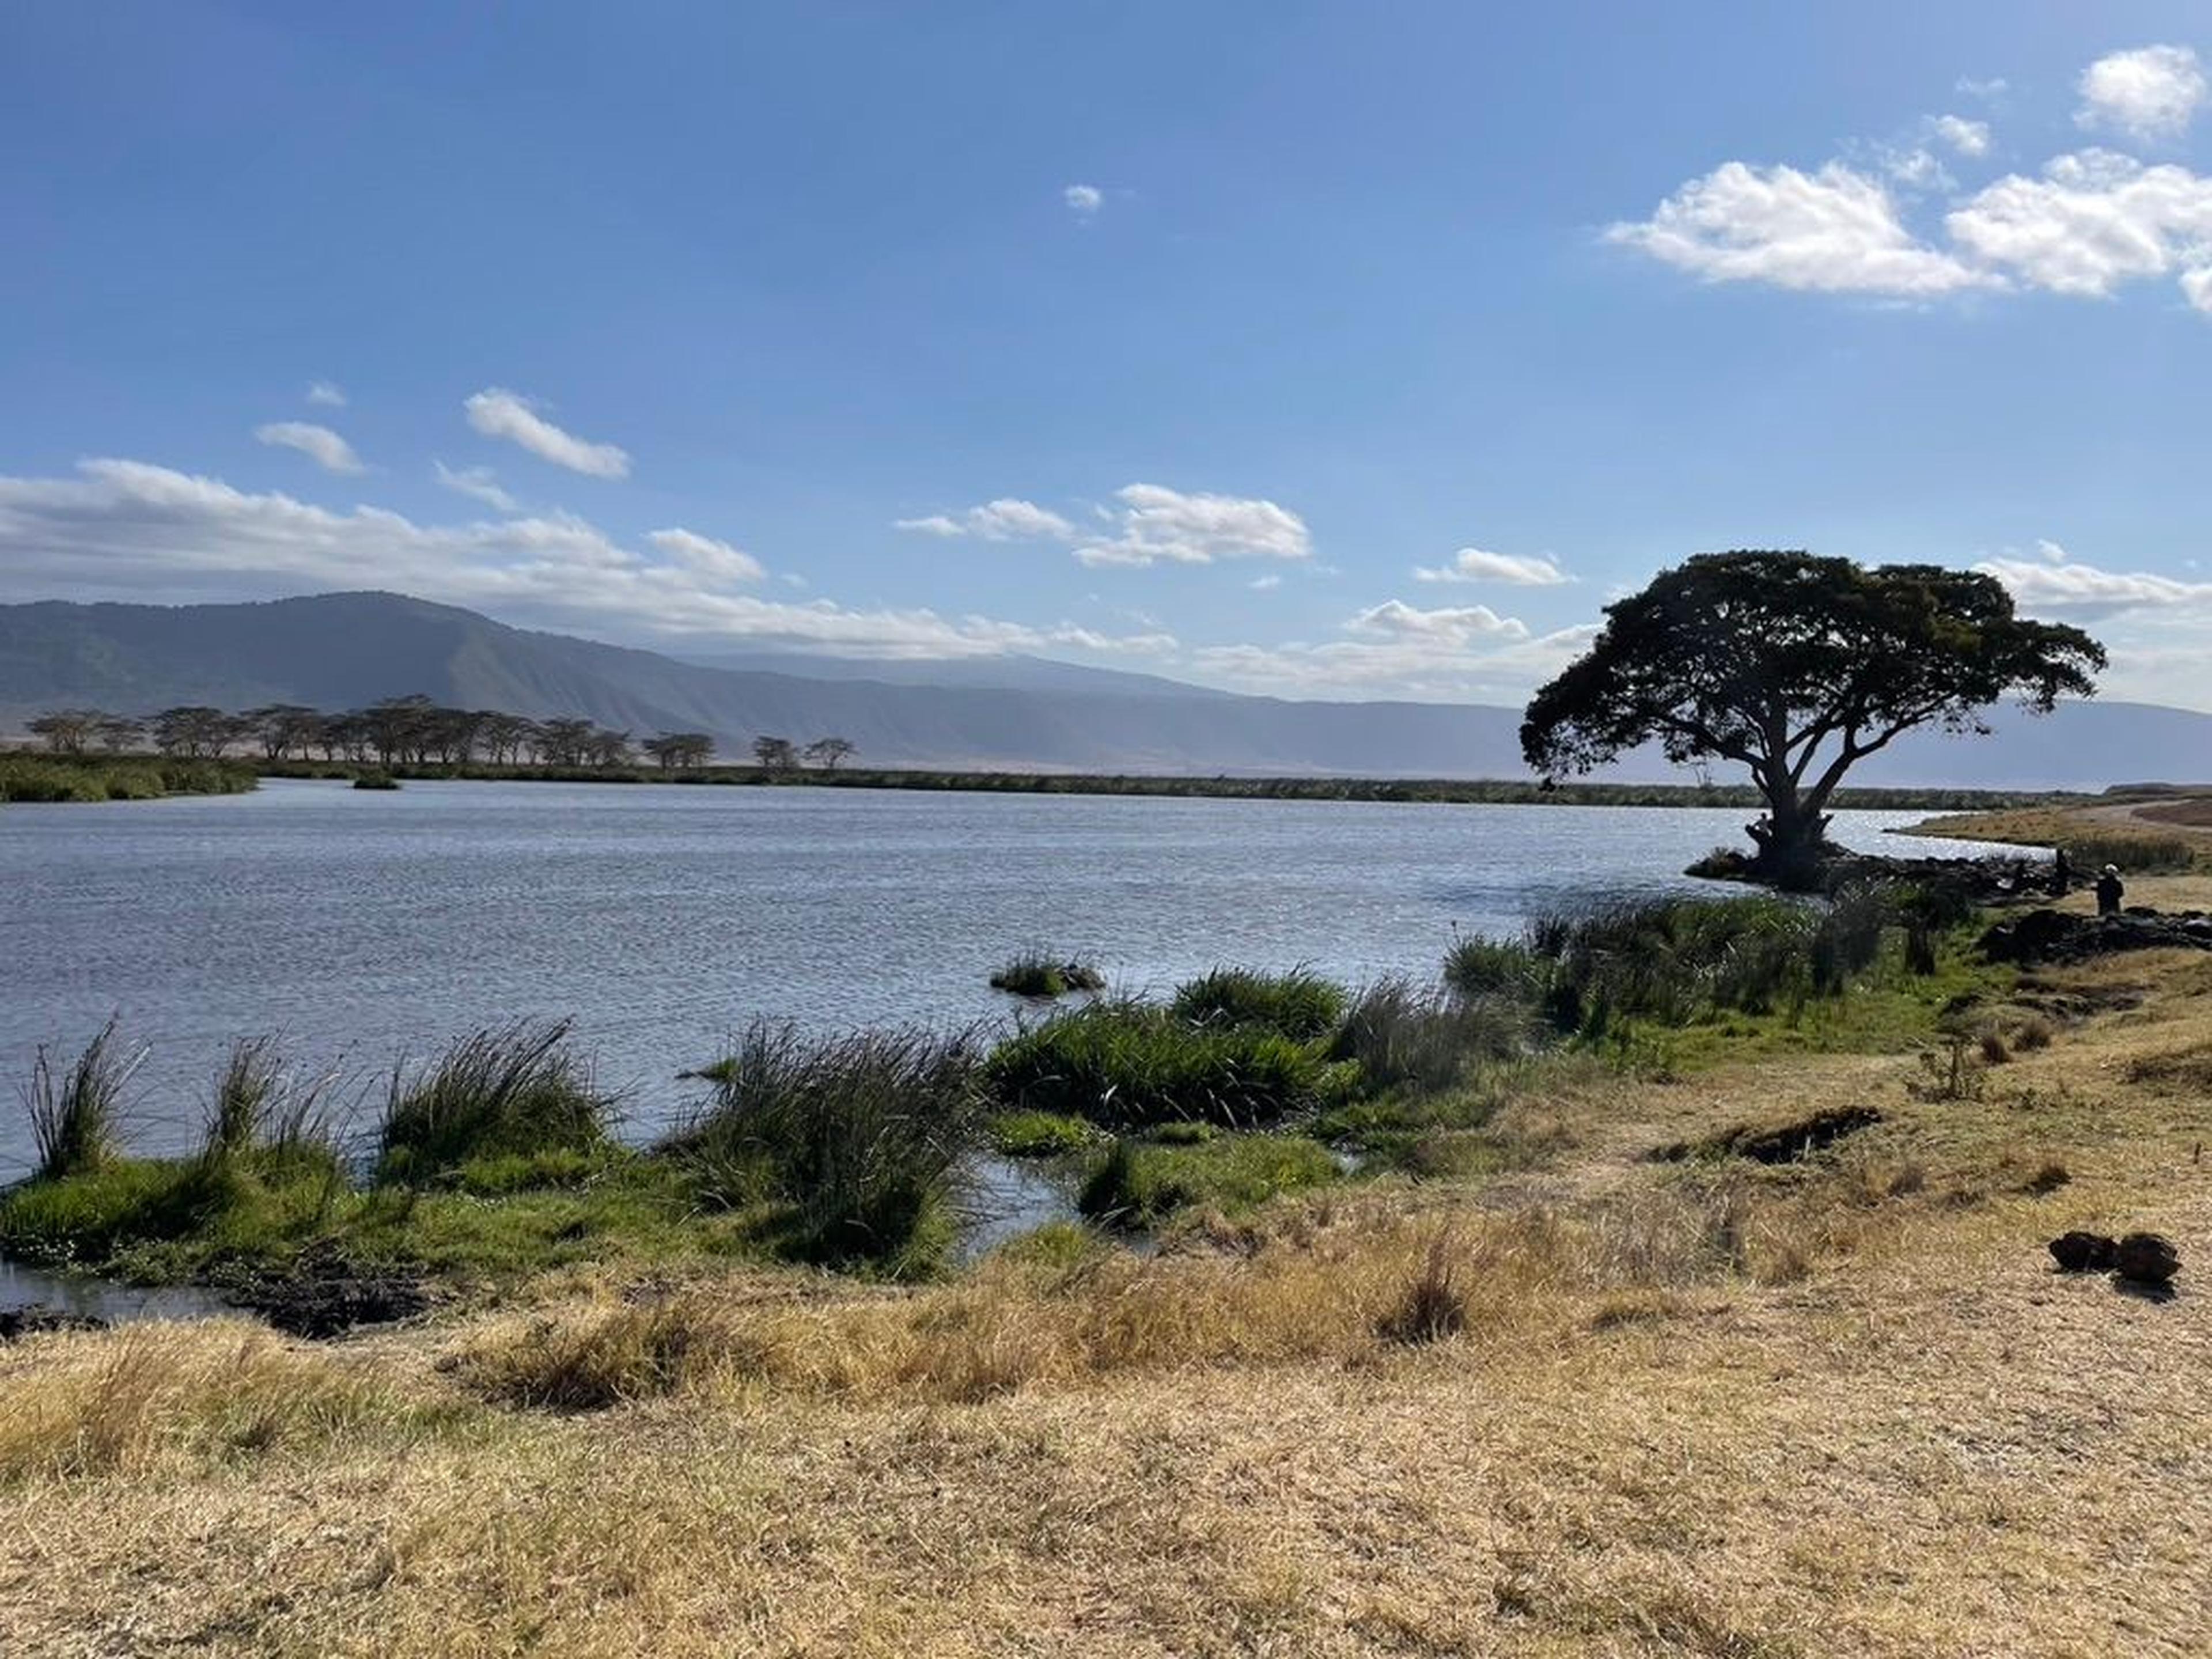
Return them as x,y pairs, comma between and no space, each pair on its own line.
1300,1005
1044,976
1128,1063
517,1089
87,778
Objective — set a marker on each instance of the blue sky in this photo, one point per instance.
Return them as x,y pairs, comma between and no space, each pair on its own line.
1319,350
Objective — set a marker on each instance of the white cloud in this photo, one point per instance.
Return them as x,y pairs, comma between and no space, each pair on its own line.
501,414
2049,552
1967,137
323,393
1151,525
716,561
1156,523
2148,93
1424,664
1005,520
2085,591
477,483
1836,230
1084,200
131,530
1452,625
1473,564
328,450
1266,584
1988,91
2094,220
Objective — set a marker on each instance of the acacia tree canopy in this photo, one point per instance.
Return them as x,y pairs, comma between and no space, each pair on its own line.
1798,667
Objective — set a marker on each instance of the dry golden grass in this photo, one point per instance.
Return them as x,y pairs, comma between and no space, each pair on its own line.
1836,1407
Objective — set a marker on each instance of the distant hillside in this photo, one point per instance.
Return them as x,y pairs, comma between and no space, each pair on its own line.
343,650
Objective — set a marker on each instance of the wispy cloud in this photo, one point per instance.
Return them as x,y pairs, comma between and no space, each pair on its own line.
2064,585
324,394
1474,564
717,561
1965,137
1084,200
501,414
2149,94
328,450
1151,525
1007,518
477,483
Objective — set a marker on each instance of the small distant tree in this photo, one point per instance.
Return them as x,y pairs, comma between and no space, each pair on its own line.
501,736
1798,668
677,750
193,731
68,730
776,754
606,749
119,734
283,729
826,752
563,742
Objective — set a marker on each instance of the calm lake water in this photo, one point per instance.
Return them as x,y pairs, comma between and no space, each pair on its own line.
360,927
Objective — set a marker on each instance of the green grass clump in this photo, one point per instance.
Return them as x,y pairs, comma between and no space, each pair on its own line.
89,778
2137,855
375,779
1128,1063
1038,1135
75,1116
1300,1005
1136,1185
1044,976
1479,967
852,1142
517,1089
1404,1036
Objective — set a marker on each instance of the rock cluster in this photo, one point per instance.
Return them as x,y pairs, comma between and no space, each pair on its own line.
2139,1258
2057,936
38,1320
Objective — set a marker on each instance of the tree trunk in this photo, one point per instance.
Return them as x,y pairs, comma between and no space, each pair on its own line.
1792,842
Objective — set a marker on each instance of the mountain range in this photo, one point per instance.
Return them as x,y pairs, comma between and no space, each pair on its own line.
343,650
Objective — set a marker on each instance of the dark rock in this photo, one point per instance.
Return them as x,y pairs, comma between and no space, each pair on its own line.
2056,936
324,1294
2147,1258
1783,1143
38,1320
2084,1253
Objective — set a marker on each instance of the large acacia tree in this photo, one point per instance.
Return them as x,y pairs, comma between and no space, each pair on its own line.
1798,667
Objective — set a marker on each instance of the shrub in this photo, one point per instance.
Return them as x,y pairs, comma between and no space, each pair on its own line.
517,1089
1300,1005
75,1119
1042,974
1128,1064
1401,1035
1477,967
855,1139
1434,1304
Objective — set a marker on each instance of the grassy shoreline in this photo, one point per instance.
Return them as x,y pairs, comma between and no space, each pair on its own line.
29,777
1580,1400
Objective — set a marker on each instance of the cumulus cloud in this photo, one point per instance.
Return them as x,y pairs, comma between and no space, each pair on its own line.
1452,625
327,450
501,414
1156,524
1417,663
717,561
1153,525
324,394
1474,564
2149,94
1007,518
1084,200
478,484
2093,221
133,530
1836,230
2083,590
2089,222
1965,137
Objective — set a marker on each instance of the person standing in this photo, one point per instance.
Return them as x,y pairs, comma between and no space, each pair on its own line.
2109,891
2062,874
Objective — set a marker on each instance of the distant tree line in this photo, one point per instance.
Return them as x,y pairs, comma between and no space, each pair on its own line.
411,730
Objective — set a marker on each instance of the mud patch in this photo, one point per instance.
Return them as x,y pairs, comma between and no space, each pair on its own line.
325,1295
1781,1143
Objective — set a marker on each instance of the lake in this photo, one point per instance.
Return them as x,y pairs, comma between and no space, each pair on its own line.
359,927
